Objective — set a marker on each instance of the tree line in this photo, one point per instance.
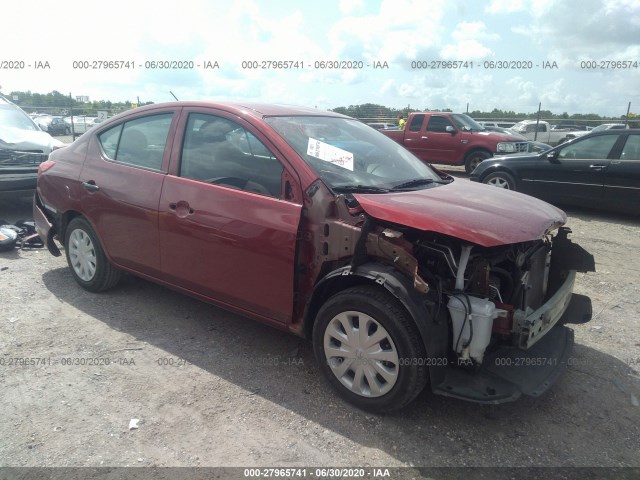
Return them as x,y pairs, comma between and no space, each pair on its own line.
372,111
57,103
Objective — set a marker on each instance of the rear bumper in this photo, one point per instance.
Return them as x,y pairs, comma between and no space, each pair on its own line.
44,228
509,372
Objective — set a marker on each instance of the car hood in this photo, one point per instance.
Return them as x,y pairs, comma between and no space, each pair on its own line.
18,139
480,214
503,137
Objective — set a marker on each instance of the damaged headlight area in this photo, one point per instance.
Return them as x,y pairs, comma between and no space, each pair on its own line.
505,298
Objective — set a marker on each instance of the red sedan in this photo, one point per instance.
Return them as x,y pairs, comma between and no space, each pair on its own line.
315,223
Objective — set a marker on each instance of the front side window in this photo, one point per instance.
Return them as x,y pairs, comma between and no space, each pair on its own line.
220,151
140,142
438,124
589,148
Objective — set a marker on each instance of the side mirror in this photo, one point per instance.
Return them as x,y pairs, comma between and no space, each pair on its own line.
553,157
450,129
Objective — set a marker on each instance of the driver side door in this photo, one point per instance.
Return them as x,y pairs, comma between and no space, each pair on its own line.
227,231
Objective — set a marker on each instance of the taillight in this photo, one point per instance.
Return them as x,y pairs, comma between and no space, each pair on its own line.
44,166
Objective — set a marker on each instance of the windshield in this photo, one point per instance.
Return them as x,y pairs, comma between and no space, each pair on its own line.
465,122
348,154
16,119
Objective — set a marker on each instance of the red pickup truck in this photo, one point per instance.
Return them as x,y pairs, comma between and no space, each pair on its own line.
453,139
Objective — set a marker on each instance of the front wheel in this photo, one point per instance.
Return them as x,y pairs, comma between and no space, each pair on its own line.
87,261
369,349
500,180
473,159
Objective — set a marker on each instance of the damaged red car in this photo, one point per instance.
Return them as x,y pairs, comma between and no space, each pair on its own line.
315,223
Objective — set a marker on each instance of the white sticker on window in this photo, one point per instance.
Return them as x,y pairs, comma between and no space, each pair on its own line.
330,154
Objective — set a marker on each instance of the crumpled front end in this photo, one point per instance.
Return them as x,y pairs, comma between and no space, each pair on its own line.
506,307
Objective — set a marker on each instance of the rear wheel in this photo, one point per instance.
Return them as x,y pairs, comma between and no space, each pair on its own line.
473,159
500,180
87,261
369,349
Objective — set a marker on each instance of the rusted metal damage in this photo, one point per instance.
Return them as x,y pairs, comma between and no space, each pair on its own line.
341,237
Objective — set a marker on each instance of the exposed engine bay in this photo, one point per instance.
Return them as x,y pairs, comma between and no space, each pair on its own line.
499,295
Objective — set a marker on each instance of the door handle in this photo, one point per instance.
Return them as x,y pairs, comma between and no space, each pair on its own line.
181,208
424,138
597,167
90,186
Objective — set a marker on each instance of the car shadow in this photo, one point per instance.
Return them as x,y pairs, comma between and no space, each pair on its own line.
589,215
590,402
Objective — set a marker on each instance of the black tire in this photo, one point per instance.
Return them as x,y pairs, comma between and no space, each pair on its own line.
398,335
473,159
500,180
87,261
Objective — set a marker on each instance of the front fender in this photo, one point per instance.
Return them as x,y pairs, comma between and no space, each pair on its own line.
430,320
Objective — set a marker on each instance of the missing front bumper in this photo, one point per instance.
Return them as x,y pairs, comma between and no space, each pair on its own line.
509,372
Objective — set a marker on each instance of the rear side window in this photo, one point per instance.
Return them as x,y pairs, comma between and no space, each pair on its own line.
140,142
416,123
631,150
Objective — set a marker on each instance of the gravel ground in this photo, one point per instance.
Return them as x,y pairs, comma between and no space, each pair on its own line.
210,388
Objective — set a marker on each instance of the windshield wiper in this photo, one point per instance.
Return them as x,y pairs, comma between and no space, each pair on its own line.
359,189
418,182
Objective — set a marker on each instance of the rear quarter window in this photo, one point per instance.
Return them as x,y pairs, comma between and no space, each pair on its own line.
140,142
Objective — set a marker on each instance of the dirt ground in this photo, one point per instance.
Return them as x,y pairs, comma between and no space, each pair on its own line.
209,388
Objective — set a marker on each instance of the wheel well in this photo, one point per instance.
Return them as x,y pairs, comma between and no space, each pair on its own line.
498,169
326,291
384,277
478,150
65,219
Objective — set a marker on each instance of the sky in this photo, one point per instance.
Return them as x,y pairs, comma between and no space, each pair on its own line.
591,51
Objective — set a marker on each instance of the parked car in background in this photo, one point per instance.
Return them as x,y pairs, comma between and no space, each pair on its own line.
53,125
314,223
599,170
453,139
532,147
486,124
610,126
384,126
23,146
571,127
541,131
81,124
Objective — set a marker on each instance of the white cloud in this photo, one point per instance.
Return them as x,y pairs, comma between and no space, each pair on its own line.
347,7
505,6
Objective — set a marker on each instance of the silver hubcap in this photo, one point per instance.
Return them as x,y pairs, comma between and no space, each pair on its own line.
82,255
499,182
361,354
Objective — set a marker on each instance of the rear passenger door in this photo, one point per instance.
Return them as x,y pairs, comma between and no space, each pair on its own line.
622,178
121,181
228,221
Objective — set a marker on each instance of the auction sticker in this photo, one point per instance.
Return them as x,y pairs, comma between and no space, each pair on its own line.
329,153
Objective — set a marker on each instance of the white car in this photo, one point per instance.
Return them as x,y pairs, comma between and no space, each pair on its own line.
23,146
81,123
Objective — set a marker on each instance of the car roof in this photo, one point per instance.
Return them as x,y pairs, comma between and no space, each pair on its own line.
256,109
